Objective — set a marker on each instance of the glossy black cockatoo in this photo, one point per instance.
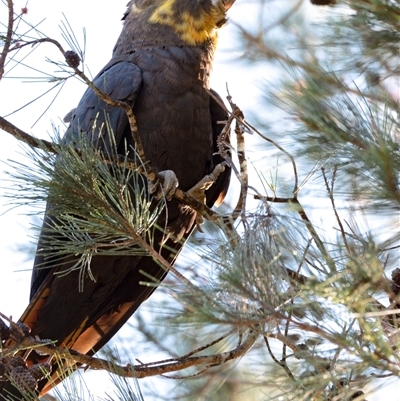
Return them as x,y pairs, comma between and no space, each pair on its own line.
160,66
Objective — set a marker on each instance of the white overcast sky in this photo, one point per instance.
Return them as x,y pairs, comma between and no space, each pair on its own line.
101,19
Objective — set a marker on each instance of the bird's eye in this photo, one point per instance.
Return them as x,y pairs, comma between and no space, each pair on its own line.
221,22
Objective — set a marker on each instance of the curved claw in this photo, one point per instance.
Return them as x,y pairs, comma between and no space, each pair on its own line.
199,190
165,186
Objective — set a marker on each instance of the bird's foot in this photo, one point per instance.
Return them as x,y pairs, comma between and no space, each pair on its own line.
199,190
165,185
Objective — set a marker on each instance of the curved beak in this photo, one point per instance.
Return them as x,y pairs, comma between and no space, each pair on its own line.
228,4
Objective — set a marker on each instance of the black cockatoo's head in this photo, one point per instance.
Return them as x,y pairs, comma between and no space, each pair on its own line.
193,21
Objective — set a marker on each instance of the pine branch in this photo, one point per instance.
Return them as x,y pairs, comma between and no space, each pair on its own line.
24,342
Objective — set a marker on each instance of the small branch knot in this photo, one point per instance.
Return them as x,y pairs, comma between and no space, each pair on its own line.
72,59
396,281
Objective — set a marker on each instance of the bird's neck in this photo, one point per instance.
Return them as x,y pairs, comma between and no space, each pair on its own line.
162,46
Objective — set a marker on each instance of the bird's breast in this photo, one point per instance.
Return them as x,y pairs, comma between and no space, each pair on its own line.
172,111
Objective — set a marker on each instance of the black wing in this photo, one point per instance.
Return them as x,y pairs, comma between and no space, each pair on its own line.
101,122
104,125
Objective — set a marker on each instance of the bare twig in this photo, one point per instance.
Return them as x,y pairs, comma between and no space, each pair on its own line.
288,155
280,21
6,126
38,41
243,174
273,199
332,199
320,245
7,42
200,372
282,363
157,257
300,210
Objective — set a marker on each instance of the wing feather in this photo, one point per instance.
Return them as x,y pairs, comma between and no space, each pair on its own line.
104,124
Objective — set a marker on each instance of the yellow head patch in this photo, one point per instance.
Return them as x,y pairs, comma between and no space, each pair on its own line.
192,28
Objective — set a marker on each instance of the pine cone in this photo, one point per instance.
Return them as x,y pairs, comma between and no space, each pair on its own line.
3,370
4,331
396,281
72,59
22,379
40,370
17,361
15,332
